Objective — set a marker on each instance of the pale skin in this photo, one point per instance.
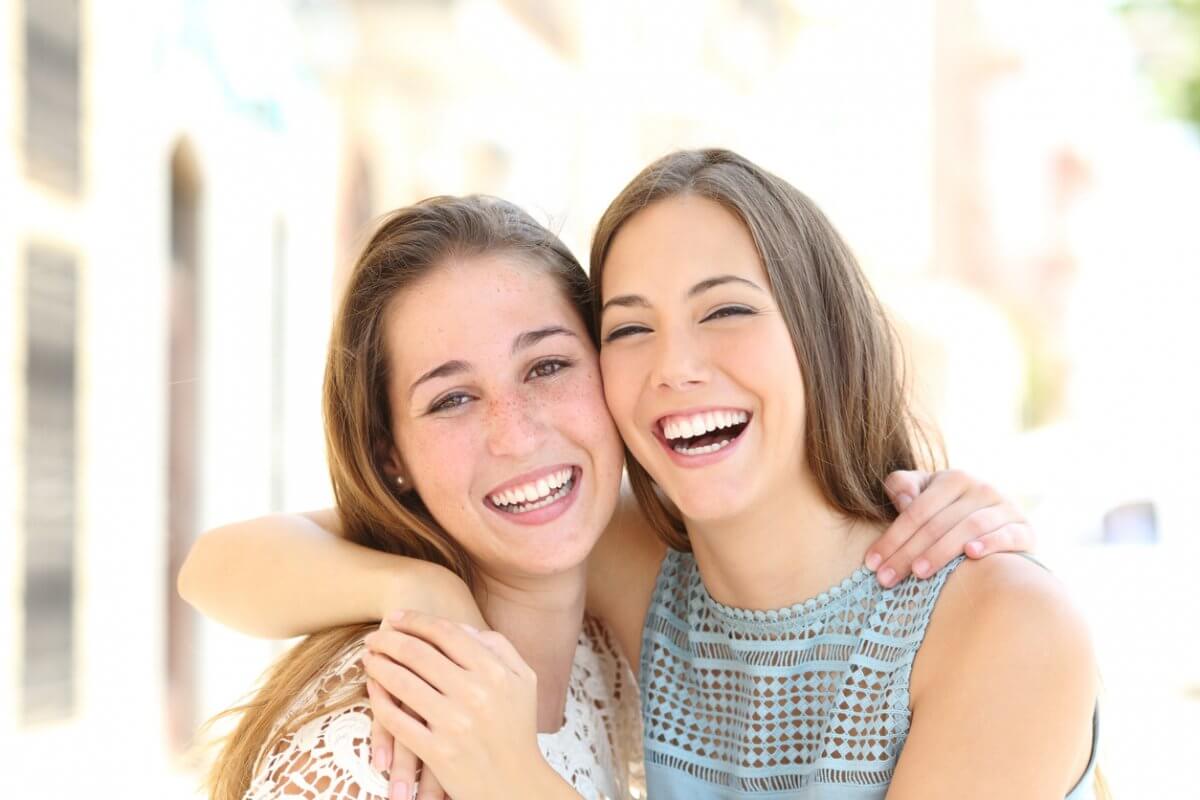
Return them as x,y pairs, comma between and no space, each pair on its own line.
289,574
1004,687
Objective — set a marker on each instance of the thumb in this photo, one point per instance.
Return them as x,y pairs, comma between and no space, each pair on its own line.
903,486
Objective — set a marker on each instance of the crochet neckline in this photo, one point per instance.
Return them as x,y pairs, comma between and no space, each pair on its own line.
833,597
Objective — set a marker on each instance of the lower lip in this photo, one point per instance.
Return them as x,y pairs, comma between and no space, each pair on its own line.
704,460
547,513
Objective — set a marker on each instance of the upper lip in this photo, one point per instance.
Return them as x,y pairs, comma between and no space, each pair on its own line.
689,413
529,477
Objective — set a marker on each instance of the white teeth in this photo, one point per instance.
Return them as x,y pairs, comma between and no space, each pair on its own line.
700,451
698,424
534,492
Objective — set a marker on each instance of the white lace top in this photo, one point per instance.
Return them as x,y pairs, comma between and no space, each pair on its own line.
598,748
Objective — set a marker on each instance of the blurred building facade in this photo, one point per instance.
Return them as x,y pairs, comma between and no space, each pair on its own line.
169,180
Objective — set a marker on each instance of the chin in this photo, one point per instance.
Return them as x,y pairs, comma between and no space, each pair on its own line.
554,557
702,504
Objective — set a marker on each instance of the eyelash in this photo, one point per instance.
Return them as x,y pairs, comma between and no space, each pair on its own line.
457,399
720,313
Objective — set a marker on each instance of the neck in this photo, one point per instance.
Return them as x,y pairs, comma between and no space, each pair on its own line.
780,551
542,618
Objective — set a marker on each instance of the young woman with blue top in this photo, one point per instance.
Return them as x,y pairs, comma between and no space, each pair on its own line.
775,465
772,665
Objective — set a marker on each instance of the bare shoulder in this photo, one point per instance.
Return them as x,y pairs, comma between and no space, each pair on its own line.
1015,596
328,518
1006,608
1006,667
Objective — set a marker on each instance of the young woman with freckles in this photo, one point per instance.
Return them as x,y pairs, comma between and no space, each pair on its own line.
441,436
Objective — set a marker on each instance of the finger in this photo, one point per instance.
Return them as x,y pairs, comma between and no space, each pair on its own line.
430,788
382,743
404,771
1015,537
420,657
897,567
403,725
903,486
449,637
405,686
942,550
944,489
503,649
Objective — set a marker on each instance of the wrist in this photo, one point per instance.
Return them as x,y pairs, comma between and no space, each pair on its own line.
549,785
414,584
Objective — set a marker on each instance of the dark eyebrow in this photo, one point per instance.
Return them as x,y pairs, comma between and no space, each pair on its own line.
442,371
524,340
631,300
530,338
705,285
625,301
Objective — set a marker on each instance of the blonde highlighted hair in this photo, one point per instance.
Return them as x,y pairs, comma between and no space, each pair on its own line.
375,511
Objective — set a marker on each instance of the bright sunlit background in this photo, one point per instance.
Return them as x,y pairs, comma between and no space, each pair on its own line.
183,183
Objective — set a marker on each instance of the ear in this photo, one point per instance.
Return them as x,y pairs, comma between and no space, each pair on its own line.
388,457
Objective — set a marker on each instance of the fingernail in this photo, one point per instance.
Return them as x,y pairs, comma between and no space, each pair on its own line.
921,568
887,576
903,502
382,758
873,561
469,629
400,791
975,548
396,616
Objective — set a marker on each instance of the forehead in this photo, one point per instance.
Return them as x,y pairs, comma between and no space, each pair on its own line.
471,308
679,241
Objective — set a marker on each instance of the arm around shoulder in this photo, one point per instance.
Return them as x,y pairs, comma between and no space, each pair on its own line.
1003,689
285,575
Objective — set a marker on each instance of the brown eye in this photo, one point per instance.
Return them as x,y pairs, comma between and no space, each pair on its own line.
551,366
450,401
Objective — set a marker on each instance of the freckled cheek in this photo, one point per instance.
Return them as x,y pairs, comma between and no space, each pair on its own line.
577,406
442,460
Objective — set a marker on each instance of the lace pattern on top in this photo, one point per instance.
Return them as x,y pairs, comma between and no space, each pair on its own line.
597,750
753,702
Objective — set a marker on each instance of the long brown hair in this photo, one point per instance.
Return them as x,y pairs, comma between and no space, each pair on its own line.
859,427
375,511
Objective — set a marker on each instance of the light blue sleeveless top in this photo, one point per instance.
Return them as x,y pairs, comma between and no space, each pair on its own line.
807,702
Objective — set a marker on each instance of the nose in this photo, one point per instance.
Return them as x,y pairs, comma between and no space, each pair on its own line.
680,362
514,427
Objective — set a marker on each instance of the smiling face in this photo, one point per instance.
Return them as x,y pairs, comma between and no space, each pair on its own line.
498,414
699,368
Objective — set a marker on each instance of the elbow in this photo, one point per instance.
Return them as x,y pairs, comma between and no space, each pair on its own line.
188,581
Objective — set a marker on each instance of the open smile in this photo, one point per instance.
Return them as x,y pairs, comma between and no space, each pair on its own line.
537,497
700,437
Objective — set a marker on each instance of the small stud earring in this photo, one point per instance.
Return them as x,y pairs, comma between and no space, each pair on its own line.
399,480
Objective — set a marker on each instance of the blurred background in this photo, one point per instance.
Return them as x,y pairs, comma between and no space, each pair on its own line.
182,184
